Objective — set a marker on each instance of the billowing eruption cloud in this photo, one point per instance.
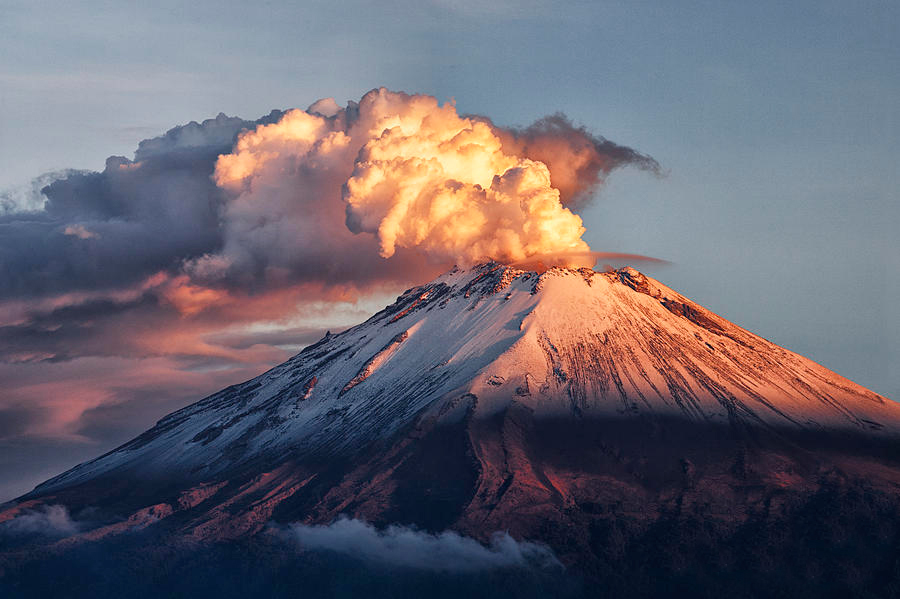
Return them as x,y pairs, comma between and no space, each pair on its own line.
442,183
178,271
415,175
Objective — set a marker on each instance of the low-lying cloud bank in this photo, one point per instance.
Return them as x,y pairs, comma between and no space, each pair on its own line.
404,547
51,521
268,566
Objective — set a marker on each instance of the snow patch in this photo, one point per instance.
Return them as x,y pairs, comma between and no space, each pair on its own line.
376,361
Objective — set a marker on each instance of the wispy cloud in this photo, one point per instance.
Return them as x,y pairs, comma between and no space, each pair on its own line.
45,521
404,547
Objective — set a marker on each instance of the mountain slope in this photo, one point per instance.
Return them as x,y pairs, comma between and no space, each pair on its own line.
565,343
553,405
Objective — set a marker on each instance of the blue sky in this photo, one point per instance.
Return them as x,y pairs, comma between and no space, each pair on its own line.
778,124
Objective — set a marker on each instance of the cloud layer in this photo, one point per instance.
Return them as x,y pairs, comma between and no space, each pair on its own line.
321,197
45,521
404,547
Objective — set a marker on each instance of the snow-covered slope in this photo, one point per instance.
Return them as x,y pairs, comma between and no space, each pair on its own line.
565,343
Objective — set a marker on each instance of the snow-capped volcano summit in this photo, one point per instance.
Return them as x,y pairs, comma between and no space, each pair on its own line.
564,344
544,404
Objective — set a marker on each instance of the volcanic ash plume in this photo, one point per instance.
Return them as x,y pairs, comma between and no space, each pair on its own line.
417,175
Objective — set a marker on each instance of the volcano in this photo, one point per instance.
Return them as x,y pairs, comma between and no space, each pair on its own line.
646,440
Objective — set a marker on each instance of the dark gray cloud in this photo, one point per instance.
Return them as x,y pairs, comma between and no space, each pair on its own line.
217,132
100,230
404,547
91,328
15,420
579,160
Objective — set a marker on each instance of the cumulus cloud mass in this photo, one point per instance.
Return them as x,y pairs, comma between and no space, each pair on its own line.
127,292
404,547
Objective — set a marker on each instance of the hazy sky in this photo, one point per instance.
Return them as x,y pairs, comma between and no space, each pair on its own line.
778,125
